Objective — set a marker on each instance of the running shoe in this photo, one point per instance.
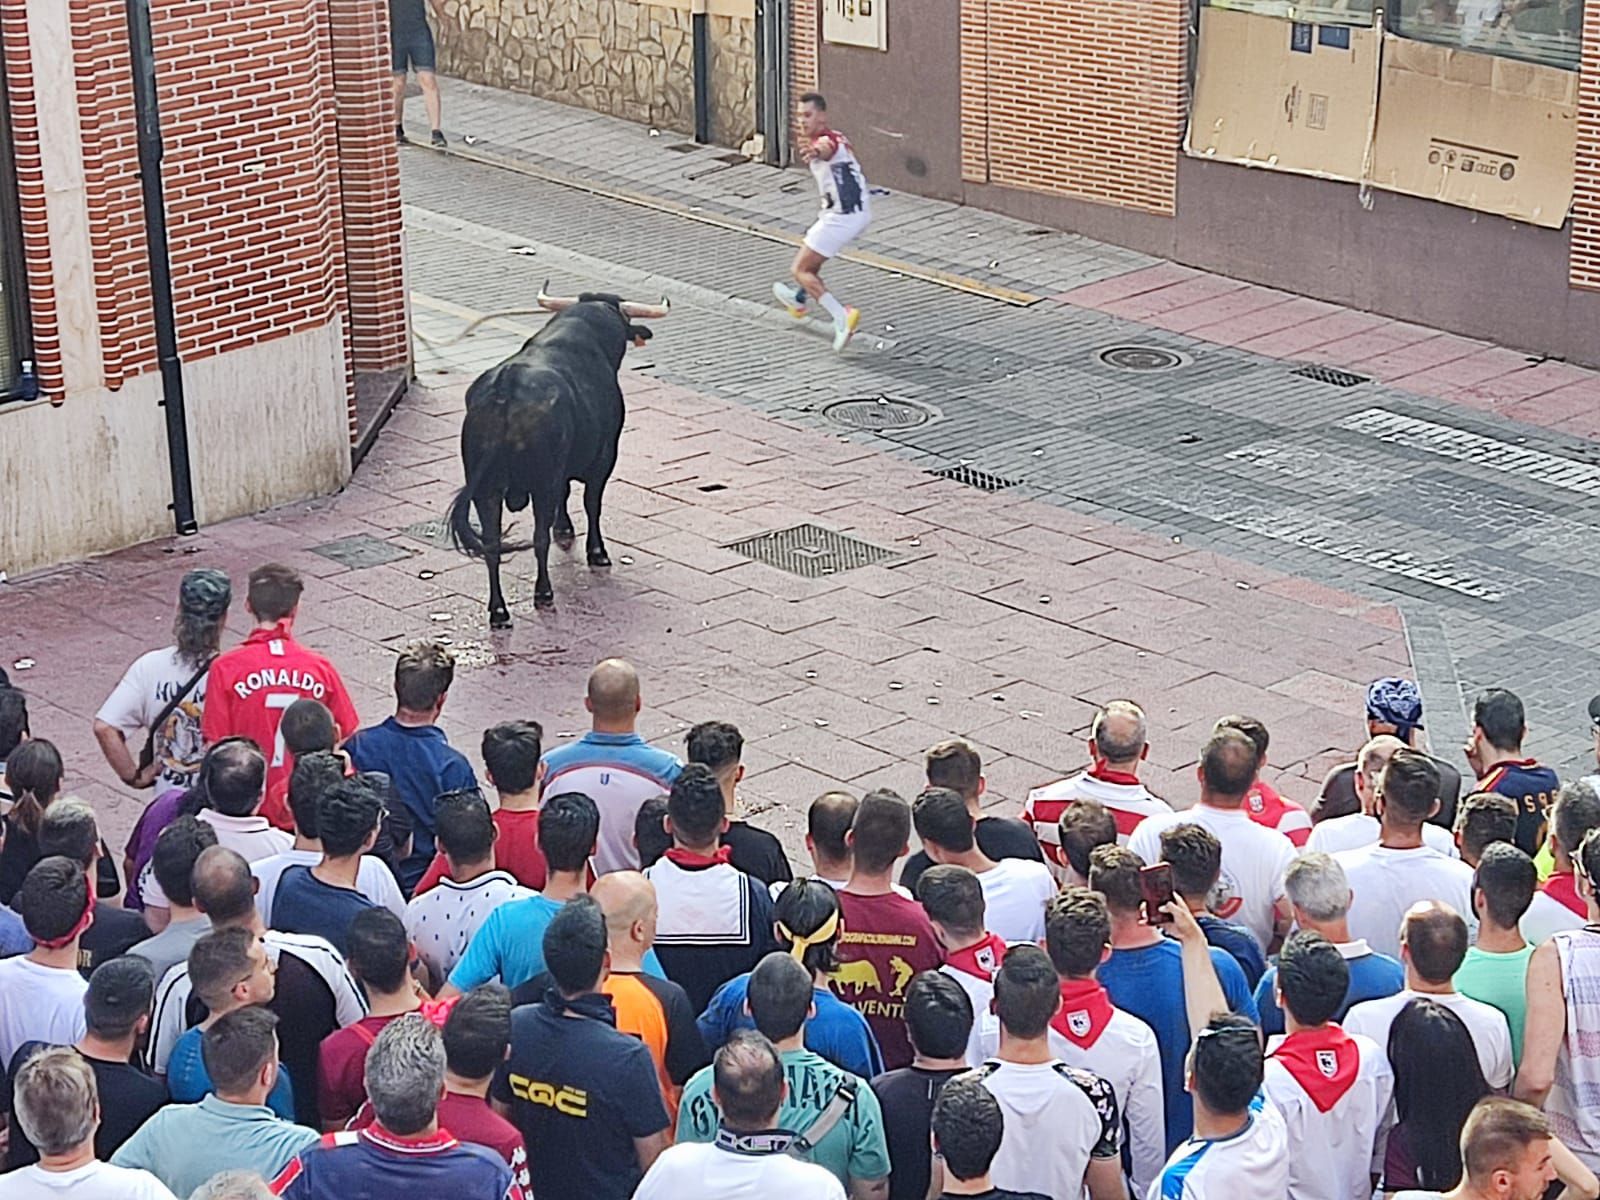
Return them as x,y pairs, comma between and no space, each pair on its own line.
844,330
438,139
792,298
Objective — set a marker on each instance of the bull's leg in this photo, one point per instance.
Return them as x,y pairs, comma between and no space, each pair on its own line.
562,529
593,493
546,504
489,515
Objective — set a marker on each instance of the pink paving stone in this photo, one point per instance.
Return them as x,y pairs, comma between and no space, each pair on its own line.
1120,287
1462,372
1286,314
1418,356
1221,308
1381,339
1319,331
1190,291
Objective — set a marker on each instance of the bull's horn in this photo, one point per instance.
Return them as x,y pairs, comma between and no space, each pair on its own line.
646,311
554,303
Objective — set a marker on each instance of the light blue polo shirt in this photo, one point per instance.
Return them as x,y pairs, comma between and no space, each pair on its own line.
184,1145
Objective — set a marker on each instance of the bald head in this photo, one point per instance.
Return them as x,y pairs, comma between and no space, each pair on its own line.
747,1082
1120,732
613,695
1228,765
1433,941
626,898
224,889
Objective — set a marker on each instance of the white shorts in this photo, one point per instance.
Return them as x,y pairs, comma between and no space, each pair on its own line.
834,231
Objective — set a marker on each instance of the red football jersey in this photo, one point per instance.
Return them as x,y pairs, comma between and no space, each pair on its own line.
250,686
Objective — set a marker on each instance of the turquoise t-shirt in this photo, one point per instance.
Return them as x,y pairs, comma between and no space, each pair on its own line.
854,1149
1500,980
510,946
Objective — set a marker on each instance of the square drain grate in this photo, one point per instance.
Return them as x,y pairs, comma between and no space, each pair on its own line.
434,533
973,477
1330,375
811,551
361,550
683,148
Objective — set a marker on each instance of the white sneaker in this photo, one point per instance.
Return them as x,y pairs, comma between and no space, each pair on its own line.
844,330
792,298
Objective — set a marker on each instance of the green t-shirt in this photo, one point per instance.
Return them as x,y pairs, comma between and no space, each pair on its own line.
1500,980
855,1148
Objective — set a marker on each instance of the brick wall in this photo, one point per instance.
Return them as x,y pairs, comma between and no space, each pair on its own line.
1079,97
1584,263
805,33
24,113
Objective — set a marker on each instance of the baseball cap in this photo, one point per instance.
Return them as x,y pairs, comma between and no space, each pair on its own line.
1594,711
205,592
1396,702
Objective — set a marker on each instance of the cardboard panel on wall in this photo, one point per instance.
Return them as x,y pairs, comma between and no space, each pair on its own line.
1283,95
1487,133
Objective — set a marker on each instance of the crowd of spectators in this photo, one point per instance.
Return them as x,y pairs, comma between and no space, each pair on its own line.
334,965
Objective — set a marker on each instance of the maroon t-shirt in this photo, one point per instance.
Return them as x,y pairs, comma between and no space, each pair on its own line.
885,941
342,1069
471,1119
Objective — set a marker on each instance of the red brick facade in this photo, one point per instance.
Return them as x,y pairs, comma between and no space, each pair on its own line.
282,185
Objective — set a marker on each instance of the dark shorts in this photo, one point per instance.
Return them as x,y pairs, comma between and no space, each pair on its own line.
412,47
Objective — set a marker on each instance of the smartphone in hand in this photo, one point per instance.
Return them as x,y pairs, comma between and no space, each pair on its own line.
1155,890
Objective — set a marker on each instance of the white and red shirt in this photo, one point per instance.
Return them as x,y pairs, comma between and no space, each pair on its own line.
839,179
1015,891
1333,1092
1352,832
1556,907
1120,792
248,688
1267,807
1254,859
974,968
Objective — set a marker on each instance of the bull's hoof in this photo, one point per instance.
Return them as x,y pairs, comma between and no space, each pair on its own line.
599,558
499,619
545,599
563,537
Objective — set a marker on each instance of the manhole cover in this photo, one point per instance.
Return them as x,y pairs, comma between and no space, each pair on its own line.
1142,358
811,551
434,533
973,477
361,550
1330,375
875,413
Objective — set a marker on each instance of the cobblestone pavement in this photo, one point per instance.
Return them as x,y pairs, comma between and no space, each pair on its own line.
1465,492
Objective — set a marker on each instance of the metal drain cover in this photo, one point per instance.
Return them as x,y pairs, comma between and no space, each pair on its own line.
972,477
1142,358
1330,375
811,551
877,413
434,533
361,550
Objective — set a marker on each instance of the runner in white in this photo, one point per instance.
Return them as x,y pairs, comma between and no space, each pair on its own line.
846,213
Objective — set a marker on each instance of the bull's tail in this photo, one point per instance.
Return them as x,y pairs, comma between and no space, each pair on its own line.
463,536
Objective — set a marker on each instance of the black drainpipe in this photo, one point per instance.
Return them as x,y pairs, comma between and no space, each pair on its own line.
700,47
148,114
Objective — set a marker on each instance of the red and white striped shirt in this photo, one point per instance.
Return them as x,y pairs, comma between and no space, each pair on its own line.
1128,801
1266,807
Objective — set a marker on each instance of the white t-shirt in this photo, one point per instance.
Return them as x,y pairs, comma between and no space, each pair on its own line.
1486,1024
1385,883
1015,891
984,1041
1545,917
254,838
1336,1152
1360,829
442,920
1056,1119
1253,1162
146,688
92,1181
705,1169
374,880
1254,859
1127,1056
38,1004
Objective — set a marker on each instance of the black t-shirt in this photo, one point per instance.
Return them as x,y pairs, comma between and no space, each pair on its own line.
999,1194
580,1091
906,1097
405,16
17,857
127,1099
112,934
757,853
702,961
998,837
1339,799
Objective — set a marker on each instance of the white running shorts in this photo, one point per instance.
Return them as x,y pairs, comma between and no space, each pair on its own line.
834,231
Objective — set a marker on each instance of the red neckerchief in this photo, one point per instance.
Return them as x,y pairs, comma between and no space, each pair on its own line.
425,1143
690,860
1323,1061
280,630
1107,775
981,959
1085,1012
1563,887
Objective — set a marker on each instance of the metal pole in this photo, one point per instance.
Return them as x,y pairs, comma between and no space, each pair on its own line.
148,115
700,22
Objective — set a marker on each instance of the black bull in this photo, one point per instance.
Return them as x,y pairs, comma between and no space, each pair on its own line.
550,414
